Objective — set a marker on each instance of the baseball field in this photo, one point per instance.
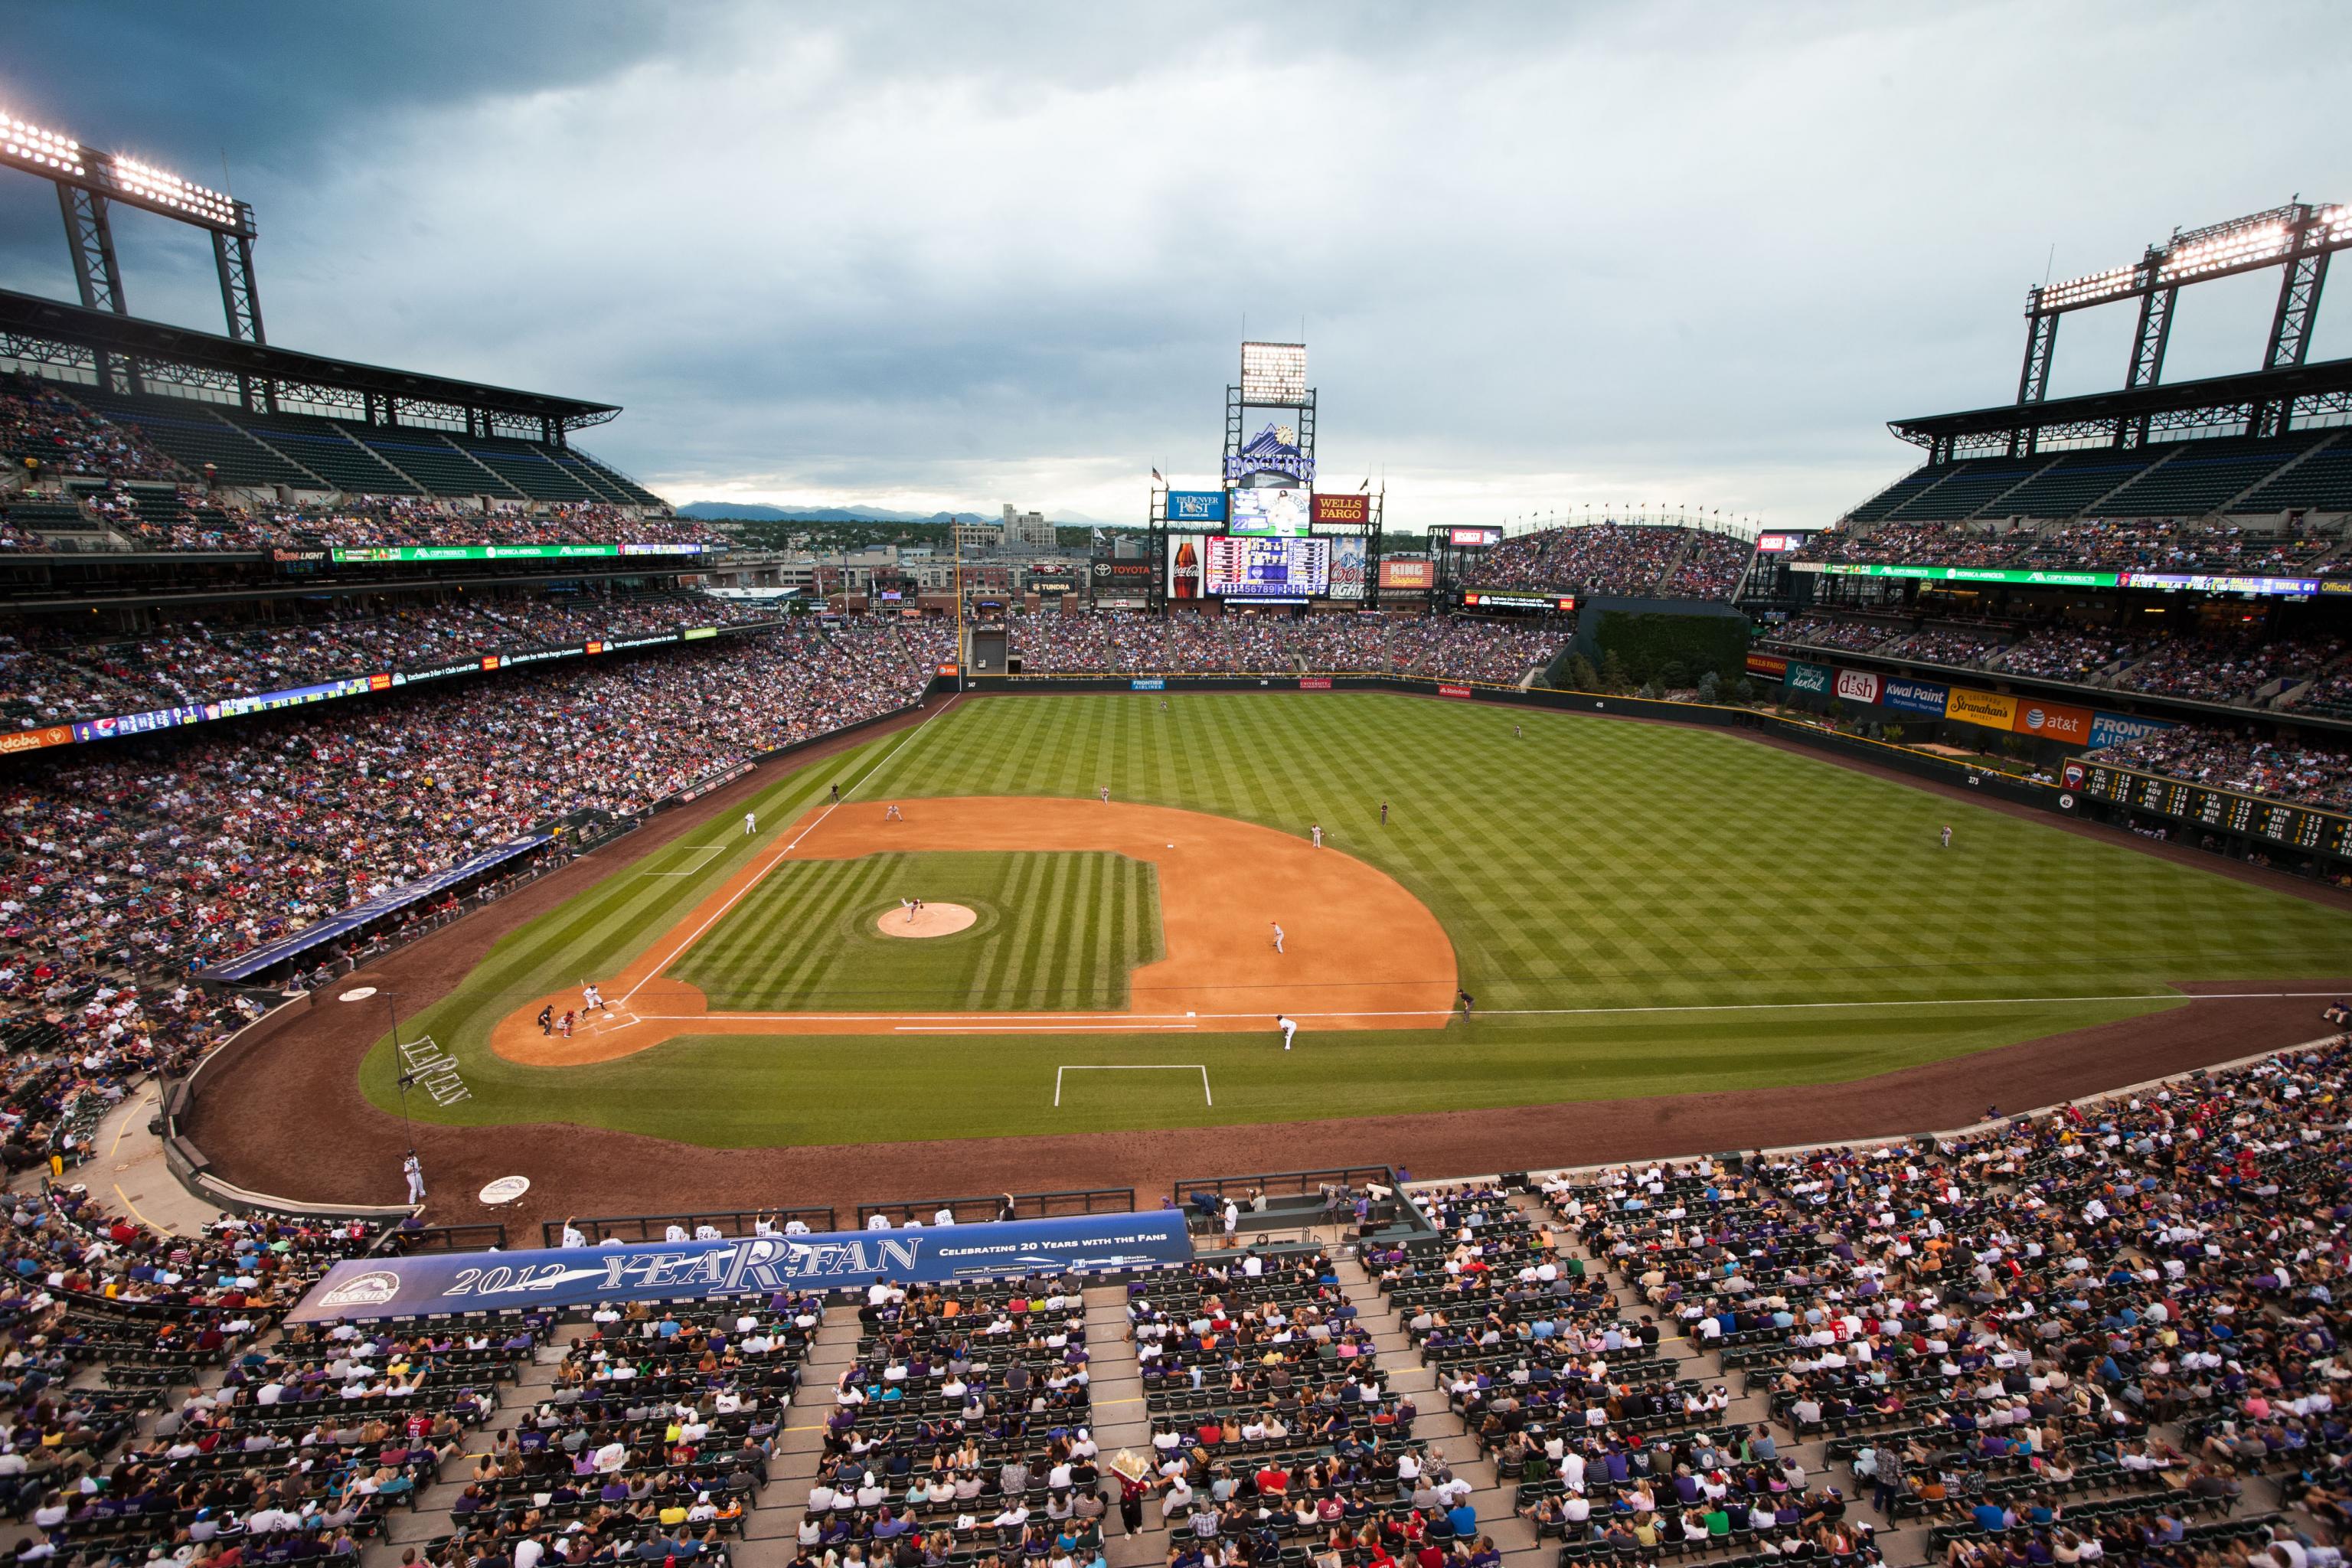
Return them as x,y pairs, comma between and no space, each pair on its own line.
1636,909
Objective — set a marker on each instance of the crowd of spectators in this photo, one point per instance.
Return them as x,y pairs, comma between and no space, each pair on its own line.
1989,1327
48,678
1635,560
190,520
2215,670
2305,771
64,438
2088,544
188,848
1455,647
1851,636
2066,652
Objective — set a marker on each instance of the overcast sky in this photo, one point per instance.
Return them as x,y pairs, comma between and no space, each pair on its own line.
921,257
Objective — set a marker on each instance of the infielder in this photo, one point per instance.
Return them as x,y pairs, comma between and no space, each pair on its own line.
1317,829
1288,1026
1105,793
1277,936
413,1169
751,823
891,813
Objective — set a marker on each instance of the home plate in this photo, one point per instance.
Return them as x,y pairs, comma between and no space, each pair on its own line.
931,920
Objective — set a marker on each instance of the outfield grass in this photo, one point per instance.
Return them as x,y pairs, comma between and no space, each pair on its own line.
1599,878
1055,931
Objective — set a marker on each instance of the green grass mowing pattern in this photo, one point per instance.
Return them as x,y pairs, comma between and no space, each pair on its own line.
1055,931
1592,863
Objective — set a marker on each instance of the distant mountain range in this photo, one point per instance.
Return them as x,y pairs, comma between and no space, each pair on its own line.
708,509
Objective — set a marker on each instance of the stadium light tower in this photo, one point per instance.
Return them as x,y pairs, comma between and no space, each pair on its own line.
2299,237
89,180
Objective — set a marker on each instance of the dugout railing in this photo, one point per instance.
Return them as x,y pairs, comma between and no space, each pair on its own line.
655,1227
1025,1205
402,1240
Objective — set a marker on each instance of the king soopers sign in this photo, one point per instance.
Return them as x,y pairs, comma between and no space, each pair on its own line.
576,1276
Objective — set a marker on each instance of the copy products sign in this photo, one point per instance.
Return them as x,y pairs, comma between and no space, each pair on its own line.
1989,709
1858,685
2054,722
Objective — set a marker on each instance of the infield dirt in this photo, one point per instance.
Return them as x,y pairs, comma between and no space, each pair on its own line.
1358,951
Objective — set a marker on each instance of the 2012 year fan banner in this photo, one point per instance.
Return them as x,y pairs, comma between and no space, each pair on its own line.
695,1270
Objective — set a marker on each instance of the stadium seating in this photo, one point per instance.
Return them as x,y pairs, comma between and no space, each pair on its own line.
1113,642
1641,560
2308,470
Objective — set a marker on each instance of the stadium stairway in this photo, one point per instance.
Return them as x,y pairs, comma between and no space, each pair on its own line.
1115,1391
1905,1545
768,1530
1436,1423
1701,1366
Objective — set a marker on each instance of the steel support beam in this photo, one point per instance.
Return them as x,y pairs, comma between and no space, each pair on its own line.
2154,332
2298,308
240,295
90,237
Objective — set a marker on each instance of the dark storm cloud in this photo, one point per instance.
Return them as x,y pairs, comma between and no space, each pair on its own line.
1544,255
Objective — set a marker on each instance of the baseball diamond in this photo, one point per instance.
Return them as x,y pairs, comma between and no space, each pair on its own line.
1674,960
1075,974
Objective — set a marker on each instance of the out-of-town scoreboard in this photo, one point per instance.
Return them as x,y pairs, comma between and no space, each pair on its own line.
2326,833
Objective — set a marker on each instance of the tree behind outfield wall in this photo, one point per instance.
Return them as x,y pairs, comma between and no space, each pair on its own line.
1615,676
1673,648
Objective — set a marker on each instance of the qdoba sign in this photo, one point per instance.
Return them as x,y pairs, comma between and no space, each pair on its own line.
576,1275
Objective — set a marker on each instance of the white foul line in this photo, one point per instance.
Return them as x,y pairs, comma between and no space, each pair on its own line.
998,1019
787,849
1134,1066
1110,1029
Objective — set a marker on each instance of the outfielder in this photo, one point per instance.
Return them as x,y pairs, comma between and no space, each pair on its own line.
1317,829
1947,836
751,823
1288,1026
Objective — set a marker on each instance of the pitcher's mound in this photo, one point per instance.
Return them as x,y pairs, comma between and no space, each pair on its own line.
931,920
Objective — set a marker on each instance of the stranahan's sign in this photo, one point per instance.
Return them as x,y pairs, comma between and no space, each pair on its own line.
829,1260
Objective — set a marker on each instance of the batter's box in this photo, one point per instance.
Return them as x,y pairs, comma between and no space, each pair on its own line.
1207,1097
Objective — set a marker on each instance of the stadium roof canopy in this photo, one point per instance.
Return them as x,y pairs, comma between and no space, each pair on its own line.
127,354
2257,403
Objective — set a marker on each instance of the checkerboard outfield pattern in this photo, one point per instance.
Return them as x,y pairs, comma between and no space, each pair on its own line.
1598,878
1596,863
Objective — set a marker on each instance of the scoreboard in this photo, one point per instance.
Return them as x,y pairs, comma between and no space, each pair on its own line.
2322,832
